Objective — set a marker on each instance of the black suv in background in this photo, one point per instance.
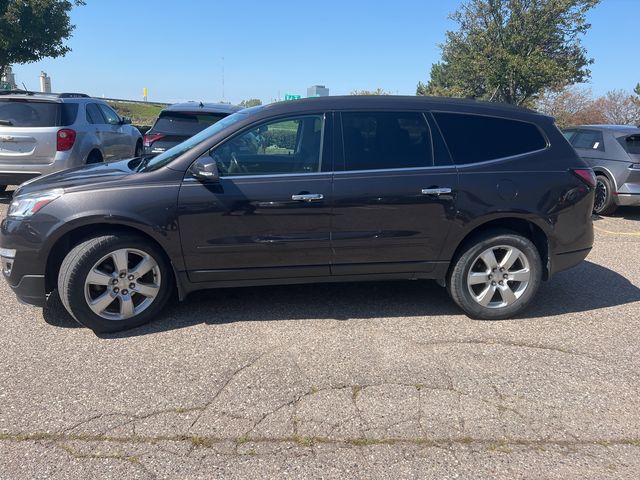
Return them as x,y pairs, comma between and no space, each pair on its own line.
487,199
180,121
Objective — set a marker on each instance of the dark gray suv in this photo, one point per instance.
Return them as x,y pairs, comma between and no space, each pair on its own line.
613,151
487,199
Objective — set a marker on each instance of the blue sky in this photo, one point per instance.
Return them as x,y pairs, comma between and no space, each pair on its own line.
270,48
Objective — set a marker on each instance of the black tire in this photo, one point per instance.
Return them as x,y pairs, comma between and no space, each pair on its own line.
138,150
604,203
94,157
458,284
81,260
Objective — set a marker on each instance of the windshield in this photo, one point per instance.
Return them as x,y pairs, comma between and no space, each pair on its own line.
173,153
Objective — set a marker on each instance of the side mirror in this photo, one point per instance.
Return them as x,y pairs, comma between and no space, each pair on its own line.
126,121
205,169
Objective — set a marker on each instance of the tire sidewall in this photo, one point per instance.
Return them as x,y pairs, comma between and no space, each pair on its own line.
458,278
608,207
77,303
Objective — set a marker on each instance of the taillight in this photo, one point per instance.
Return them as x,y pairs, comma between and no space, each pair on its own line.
65,139
586,175
152,137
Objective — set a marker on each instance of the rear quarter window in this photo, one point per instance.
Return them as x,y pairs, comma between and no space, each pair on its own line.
631,144
480,138
29,113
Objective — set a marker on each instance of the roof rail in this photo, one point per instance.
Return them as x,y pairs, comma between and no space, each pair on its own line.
13,92
73,95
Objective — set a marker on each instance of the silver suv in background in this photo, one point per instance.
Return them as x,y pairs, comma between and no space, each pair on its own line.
42,133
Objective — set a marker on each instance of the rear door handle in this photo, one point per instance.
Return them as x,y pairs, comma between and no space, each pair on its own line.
436,191
308,197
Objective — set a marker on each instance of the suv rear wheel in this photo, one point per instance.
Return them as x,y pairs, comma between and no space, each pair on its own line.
114,282
497,276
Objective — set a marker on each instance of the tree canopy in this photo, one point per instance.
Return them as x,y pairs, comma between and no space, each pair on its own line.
31,30
377,91
251,102
512,50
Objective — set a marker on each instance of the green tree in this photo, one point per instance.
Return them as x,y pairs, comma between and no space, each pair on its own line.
512,50
31,30
251,102
377,91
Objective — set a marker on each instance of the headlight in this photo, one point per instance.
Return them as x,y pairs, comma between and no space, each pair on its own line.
26,205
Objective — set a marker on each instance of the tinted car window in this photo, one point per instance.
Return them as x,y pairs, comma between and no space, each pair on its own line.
20,113
631,144
69,112
381,140
479,138
185,123
588,139
111,116
94,115
281,147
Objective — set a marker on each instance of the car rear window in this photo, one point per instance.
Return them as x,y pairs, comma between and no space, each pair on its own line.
28,113
479,138
631,144
185,123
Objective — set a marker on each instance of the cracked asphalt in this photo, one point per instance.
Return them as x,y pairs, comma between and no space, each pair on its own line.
380,380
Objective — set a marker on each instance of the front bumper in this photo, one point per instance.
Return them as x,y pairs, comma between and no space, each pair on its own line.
30,289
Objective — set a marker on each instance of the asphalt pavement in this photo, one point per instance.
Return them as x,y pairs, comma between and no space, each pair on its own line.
361,380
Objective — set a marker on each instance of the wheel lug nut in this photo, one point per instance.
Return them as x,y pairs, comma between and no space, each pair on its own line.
501,282
493,284
132,286
130,277
125,291
122,275
505,276
116,290
502,269
114,281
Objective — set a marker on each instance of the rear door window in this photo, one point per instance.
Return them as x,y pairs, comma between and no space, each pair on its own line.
480,138
185,123
94,115
26,113
588,140
386,140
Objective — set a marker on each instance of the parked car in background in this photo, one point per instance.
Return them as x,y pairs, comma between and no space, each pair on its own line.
42,133
487,199
613,151
180,121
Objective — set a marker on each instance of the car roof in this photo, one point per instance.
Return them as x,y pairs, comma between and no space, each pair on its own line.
55,97
346,102
202,107
612,128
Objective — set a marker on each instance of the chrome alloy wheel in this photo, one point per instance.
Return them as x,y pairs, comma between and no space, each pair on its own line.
122,284
498,276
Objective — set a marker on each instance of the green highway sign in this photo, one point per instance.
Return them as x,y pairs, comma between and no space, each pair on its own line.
5,86
288,96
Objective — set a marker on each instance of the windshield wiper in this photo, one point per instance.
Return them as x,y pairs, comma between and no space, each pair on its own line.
9,123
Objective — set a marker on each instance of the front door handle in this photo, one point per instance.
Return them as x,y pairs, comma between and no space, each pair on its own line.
436,191
307,197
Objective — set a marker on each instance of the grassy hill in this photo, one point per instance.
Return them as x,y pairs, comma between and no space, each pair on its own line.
142,114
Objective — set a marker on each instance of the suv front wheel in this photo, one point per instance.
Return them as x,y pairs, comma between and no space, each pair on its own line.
496,277
114,282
